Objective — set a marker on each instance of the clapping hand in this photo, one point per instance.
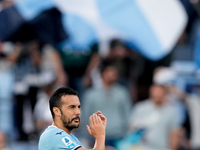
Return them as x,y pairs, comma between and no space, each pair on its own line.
97,125
103,118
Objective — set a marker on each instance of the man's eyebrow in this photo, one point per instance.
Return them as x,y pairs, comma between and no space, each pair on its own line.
74,105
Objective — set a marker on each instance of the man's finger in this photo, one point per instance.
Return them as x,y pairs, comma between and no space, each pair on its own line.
92,120
88,129
91,123
96,121
102,117
98,112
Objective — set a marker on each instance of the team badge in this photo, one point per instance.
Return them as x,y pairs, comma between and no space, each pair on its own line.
68,142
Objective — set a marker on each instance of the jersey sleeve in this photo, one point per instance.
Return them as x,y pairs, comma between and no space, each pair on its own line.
64,142
69,144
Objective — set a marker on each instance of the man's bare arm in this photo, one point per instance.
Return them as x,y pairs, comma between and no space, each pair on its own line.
97,127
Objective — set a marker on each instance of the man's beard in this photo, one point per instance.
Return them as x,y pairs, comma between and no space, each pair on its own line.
68,123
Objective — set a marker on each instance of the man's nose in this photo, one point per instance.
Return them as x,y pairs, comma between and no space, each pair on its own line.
78,111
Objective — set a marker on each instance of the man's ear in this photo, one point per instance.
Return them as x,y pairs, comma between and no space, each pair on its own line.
57,111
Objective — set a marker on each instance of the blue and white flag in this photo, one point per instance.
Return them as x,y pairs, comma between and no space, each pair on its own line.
152,27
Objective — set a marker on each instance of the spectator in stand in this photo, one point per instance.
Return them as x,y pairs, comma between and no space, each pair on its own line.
167,77
156,117
6,89
78,65
113,100
128,64
42,114
33,59
193,104
5,4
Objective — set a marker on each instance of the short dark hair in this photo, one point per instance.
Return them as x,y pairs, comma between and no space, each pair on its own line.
55,99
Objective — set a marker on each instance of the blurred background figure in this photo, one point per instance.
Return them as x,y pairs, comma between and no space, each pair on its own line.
155,117
128,63
113,100
6,4
27,60
193,105
3,141
167,77
6,89
42,115
34,64
78,65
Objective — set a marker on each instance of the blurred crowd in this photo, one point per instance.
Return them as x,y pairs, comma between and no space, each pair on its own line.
149,105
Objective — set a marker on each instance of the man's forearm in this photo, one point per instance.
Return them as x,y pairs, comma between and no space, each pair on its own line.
99,143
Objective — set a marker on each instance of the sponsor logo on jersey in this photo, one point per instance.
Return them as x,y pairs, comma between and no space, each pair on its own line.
59,133
68,142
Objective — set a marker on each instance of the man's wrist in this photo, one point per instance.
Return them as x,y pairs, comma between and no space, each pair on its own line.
100,137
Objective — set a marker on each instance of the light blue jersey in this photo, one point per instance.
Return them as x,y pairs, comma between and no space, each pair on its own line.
54,138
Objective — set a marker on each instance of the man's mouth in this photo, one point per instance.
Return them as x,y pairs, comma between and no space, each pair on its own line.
77,119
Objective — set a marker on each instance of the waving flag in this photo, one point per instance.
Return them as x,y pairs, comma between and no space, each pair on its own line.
152,27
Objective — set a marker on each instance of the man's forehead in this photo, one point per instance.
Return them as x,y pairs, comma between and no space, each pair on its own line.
70,99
